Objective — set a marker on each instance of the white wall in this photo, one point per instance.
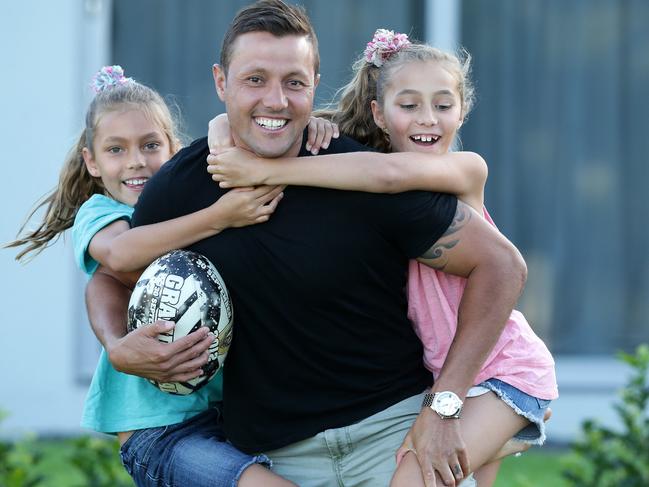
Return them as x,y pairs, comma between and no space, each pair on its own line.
49,51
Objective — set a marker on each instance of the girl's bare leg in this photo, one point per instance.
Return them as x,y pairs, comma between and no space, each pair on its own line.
486,475
256,475
408,472
512,446
487,424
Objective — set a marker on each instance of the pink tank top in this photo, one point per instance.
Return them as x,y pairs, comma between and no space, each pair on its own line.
519,358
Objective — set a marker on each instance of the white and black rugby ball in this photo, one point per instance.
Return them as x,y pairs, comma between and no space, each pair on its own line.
184,287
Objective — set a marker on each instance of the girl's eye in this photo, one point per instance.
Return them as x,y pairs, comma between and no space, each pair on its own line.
152,146
114,150
444,107
408,106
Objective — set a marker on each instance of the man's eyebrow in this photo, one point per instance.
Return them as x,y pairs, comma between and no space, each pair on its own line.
297,73
262,70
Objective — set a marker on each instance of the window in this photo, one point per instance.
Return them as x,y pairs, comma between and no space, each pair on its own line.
563,93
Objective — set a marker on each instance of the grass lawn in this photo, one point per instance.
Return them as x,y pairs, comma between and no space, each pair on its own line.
536,468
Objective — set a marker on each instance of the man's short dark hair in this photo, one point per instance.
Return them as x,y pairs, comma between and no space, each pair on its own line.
276,18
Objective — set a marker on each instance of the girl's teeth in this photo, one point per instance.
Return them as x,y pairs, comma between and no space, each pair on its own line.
135,182
424,138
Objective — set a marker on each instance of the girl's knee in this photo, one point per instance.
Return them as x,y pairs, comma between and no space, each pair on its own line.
408,472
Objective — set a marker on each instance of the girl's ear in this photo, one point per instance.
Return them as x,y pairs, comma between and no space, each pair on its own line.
91,164
378,115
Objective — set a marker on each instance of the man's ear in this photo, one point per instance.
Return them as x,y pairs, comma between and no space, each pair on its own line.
377,113
91,164
316,81
219,81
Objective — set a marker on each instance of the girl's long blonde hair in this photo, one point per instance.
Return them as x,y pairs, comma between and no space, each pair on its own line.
76,185
352,111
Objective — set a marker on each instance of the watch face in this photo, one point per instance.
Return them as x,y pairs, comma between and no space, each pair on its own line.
447,403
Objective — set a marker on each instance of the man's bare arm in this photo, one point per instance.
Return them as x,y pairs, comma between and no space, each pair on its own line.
495,273
140,352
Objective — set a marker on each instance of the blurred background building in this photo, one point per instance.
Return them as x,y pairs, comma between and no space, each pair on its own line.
561,116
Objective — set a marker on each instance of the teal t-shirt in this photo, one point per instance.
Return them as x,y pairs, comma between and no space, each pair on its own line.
116,401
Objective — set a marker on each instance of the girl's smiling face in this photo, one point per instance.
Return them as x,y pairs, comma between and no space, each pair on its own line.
128,149
422,109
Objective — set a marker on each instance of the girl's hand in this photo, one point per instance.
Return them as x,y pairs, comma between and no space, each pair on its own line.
219,137
321,131
240,207
439,447
237,167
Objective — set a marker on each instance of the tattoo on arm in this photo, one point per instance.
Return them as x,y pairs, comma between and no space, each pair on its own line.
436,255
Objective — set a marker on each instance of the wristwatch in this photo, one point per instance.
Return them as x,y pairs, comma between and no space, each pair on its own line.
446,404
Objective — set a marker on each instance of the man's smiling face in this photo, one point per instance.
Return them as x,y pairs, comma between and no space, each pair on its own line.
268,92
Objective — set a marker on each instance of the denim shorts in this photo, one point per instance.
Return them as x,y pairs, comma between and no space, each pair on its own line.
525,405
194,452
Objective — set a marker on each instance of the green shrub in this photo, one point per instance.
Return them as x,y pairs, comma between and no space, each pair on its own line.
18,462
98,461
79,462
606,457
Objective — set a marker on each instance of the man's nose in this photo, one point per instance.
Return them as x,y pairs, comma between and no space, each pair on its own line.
275,98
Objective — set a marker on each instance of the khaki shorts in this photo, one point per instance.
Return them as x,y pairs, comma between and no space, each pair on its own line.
362,454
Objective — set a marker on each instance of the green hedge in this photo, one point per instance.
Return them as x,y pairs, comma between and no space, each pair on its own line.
606,457
79,462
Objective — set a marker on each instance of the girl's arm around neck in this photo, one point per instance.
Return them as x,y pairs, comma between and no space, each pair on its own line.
460,173
124,249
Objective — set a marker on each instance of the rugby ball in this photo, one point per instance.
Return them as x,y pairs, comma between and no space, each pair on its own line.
184,287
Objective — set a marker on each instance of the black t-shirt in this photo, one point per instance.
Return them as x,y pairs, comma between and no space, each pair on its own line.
321,336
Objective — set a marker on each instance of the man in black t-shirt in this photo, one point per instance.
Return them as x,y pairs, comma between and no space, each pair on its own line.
323,356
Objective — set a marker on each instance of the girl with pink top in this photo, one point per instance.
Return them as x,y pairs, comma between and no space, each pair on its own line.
419,97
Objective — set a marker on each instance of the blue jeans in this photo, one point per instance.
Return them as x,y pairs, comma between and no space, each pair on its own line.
192,453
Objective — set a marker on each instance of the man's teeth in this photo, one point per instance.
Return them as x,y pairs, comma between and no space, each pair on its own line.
136,182
425,138
271,123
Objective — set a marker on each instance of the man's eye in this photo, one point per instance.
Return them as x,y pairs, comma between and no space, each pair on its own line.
255,80
296,83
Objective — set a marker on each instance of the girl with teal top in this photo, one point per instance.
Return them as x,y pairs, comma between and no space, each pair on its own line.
129,133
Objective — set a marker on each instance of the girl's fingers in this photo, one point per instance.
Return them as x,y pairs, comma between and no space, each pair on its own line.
311,133
328,134
320,136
